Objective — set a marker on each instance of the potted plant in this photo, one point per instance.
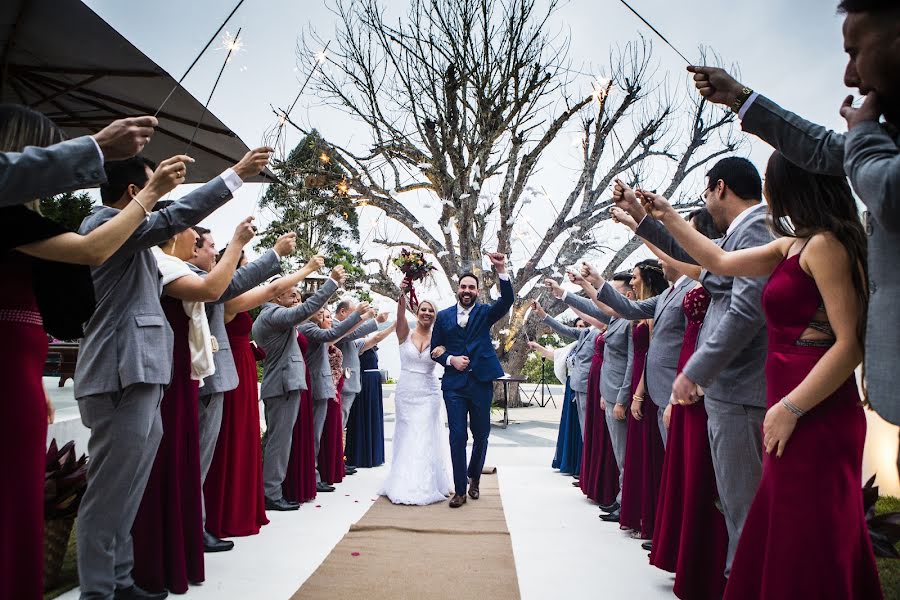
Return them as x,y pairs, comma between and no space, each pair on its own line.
65,480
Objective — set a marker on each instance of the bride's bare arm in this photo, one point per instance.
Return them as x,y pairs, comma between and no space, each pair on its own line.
402,324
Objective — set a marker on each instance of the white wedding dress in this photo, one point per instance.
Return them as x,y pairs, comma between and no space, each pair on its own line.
419,473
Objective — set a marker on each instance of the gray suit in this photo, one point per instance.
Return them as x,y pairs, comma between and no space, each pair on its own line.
124,362
320,369
665,343
284,377
350,351
43,172
579,361
729,364
615,375
225,378
869,155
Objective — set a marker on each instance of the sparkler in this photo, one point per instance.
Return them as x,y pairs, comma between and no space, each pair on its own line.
232,44
656,31
235,43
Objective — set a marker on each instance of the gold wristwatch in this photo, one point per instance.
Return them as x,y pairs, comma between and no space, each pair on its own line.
741,98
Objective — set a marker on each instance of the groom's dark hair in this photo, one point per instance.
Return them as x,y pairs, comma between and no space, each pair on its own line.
473,276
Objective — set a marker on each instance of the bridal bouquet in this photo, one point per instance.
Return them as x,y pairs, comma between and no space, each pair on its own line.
414,268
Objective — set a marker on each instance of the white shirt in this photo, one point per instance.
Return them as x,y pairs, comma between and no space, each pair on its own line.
740,218
743,110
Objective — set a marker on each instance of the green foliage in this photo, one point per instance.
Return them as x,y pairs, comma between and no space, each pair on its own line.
313,202
68,209
363,295
532,368
889,568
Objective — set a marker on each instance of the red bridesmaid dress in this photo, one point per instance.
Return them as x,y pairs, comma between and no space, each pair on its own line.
599,471
300,480
331,448
235,503
806,533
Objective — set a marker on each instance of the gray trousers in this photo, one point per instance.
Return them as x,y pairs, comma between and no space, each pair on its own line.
126,427
281,415
347,399
320,411
663,432
210,424
581,403
735,440
618,432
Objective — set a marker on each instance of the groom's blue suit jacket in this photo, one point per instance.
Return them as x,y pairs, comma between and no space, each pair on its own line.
473,341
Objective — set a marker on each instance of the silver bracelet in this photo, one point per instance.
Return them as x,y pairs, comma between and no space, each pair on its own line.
798,412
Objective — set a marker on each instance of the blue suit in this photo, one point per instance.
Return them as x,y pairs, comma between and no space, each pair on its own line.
469,393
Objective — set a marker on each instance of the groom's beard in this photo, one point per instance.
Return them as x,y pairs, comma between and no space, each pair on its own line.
466,300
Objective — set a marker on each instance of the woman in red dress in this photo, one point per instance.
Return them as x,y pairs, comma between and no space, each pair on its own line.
300,480
599,472
644,451
168,529
31,306
805,534
235,502
331,449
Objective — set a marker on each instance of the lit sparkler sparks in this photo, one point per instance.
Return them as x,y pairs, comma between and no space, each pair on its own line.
600,89
232,44
321,56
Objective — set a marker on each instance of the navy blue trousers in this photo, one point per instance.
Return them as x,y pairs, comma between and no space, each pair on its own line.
472,401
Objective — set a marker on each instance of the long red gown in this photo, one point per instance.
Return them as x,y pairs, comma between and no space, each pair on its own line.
690,538
235,503
643,452
23,433
806,535
300,480
599,471
168,530
331,447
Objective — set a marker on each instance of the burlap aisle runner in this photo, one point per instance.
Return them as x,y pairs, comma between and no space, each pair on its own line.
415,552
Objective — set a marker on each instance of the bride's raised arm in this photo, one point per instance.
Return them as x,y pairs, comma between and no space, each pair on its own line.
402,328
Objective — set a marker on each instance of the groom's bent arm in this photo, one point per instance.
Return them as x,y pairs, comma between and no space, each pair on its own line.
438,339
502,305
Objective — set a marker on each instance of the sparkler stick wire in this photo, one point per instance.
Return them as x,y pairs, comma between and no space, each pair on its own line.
211,40
656,31
213,90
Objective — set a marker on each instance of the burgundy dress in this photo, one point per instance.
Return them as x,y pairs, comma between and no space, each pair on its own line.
168,530
235,503
599,471
690,538
300,480
331,448
806,535
643,451
23,433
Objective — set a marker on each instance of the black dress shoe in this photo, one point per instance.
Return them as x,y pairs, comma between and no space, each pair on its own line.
608,508
648,545
136,593
321,486
281,504
213,544
349,470
576,483
612,517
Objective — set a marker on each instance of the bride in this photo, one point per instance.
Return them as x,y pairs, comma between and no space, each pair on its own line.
419,467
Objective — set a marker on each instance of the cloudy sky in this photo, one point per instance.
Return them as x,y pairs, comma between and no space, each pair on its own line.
791,51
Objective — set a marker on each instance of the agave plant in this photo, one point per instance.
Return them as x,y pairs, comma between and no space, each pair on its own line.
65,480
884,529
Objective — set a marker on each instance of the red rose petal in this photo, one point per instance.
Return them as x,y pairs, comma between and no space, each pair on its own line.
354,554
318,506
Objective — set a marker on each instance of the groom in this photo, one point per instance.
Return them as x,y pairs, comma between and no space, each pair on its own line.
471,364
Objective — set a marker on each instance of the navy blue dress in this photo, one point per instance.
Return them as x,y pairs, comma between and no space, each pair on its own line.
365,425
569,442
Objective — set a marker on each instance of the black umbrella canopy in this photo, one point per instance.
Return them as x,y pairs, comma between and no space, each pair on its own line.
60,58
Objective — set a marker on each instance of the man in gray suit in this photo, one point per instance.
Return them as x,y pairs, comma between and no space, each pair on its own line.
579,359
225,377
284,377
323,388
729,363
72,164
869,154
124,364
668,330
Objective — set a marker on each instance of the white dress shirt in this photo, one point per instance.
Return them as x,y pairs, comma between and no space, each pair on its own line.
462,314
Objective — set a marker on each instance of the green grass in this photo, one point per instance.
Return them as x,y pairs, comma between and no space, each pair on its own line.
69,577
889,568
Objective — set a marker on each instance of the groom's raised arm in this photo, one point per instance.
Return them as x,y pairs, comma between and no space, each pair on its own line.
438,338
502,304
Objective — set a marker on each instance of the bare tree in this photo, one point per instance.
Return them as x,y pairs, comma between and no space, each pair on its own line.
463,93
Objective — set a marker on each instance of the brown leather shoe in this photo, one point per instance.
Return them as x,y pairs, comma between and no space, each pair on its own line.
456,501
474,494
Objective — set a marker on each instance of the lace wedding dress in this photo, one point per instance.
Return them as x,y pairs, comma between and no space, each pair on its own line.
421,447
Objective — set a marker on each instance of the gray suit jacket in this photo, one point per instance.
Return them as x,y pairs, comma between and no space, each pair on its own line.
128,339
668,333
869,155
43,172
350,351
618,351
275,331
581,355
319,367
246,278
729,363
